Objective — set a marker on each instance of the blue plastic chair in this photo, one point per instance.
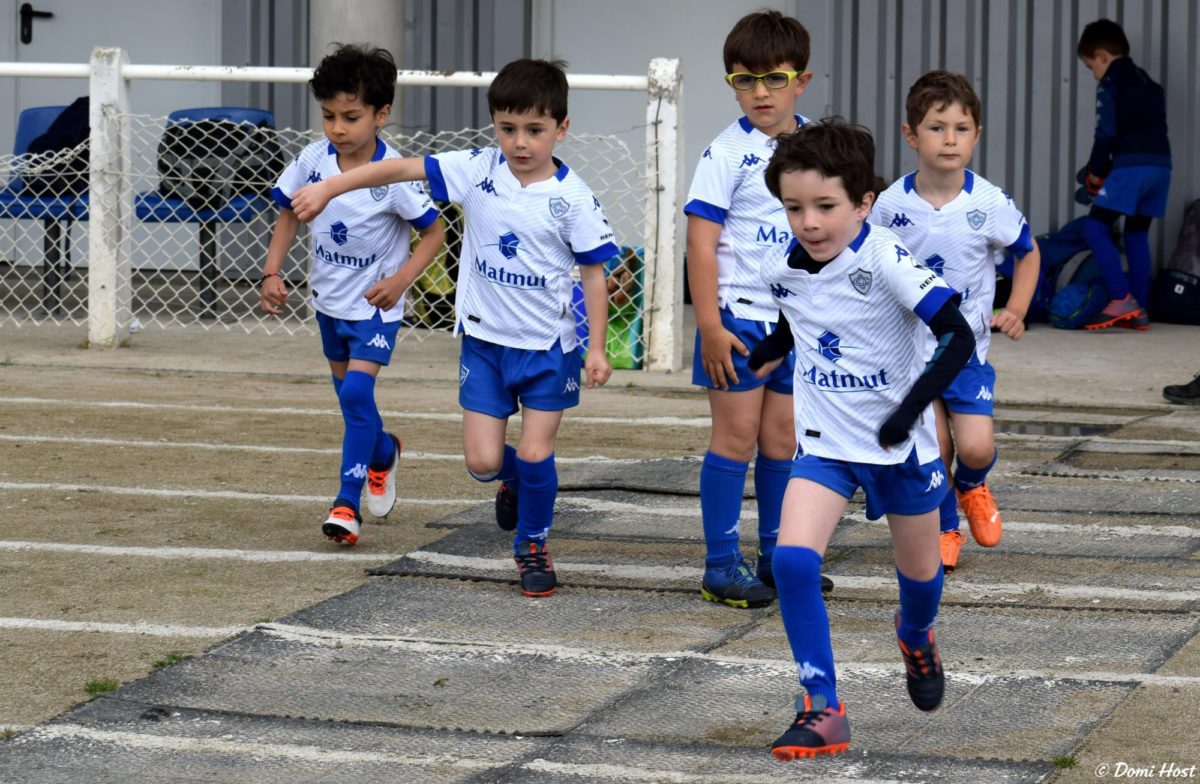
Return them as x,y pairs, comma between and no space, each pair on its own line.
153,207
57,213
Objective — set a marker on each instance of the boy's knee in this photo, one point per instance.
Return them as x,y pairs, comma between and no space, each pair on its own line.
481,469
796,568
977,455
357,393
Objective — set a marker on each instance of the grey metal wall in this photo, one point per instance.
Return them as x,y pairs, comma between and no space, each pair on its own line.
271,33
1038,99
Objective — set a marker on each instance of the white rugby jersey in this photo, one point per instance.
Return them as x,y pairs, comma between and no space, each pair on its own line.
963,241
860,345
728,188
358,240
519,247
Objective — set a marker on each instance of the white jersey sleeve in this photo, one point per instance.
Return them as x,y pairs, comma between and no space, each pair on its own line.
591,236
917,287
449,174
712,186
411,202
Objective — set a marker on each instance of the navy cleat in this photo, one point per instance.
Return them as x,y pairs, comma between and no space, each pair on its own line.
923,672
536,570
734,584
818,729
506,507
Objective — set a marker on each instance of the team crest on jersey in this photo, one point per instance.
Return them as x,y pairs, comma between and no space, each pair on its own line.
975,219
379,193
559,206
860,279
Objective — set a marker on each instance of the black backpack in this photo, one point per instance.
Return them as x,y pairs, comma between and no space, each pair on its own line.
1177,289
46,174
208,162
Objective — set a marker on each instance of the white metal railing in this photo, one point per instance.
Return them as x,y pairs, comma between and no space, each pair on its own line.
111,219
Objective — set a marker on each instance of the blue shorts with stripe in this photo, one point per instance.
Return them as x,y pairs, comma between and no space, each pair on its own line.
372,340
908,488
972,389
1136,190
751,334
496,380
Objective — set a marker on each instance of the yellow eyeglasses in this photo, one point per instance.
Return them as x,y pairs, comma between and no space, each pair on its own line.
775,80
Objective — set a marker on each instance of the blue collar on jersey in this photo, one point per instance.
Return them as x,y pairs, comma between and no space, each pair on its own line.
910,181
380,149
744,121
560,174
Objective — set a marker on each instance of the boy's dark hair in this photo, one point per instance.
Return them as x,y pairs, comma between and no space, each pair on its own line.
937,90
766,39
831,146
368,73
1102,34
530,85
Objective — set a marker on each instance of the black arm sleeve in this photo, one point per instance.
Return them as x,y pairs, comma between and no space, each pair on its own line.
955,344
773,346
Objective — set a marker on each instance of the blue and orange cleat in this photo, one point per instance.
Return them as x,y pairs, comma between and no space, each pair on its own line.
536,570
343,524
818,729
924,676
1116,311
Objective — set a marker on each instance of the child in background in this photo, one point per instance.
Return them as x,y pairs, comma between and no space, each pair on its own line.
361,268
853,300
529,220
959,225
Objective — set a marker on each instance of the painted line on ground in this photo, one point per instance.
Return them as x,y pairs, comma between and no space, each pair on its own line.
621,658
954,588
159,492
198,553
1137,530
138,627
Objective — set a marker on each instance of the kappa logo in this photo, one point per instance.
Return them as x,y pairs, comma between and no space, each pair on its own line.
379,193
359,471
984,393
486,186
379,341
595,202
314,176
475,151
542,534
808,671
781,292
935,481
707,152
975,219
860,279
900,220
560,206
901,253
750,160
571,387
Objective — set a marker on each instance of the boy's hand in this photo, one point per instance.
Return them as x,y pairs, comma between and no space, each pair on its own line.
716,352
1093,184
596,368
272,295
387,292
1009,323
308,202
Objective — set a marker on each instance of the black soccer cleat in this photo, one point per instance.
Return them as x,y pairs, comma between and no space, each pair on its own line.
506,507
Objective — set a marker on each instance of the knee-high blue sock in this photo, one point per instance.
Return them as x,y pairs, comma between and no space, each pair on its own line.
337,386
1098,236
722,483
357,397
948,512
967,478
509,472
798,586
535,512
1137,253
918,608
770,481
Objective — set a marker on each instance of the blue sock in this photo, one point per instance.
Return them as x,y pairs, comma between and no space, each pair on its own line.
509,474
722,483
1099,239
967,478
798,586
948,512
1137,253
918,608
337,386
357,397
535,513
770,481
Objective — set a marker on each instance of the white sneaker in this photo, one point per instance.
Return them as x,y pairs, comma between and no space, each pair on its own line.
343,525
381,485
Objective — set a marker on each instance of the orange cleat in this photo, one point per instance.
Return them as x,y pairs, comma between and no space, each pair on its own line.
343,525
818,729
952,542
979,506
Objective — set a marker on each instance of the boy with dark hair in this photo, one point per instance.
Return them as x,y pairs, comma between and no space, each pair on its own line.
361,268
529,220
1128,173
733,225
959,225
852,299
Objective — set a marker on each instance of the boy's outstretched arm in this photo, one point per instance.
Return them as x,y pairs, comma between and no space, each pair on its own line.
273,293
595,298
387,292
311,199
1011,320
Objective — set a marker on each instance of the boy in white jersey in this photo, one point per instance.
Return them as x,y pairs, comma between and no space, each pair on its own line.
853,300
361,268
529,220
958,224
733,224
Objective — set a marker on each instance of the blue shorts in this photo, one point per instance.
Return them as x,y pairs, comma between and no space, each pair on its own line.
1136,190
972,389
751,334
495,379
907,488
372,340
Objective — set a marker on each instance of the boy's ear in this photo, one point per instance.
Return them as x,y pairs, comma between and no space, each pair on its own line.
910,135
802,81
381,116
561,133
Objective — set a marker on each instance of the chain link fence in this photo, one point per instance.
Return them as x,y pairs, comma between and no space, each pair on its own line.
203,216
